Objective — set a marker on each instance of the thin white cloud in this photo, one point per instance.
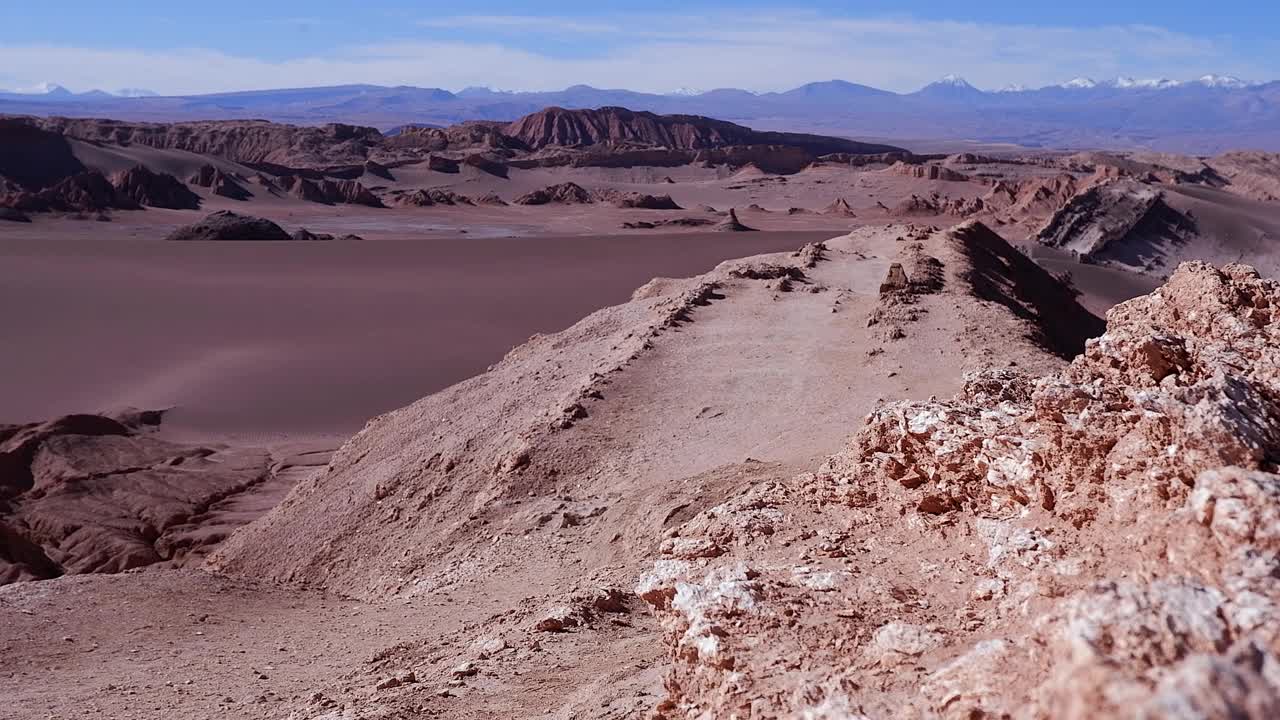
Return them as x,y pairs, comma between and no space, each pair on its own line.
761,51
522,23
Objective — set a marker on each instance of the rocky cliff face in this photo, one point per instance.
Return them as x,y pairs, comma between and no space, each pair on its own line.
612,125
1098,542
243,141
1115,220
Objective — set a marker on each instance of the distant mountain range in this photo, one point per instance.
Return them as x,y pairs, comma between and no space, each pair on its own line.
51,92
1207,115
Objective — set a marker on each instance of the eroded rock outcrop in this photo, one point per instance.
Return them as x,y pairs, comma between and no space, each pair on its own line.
1097,542
329,192
644,201
245,141
567,193
162,190
428,197
731,224
89,191
926,171
1119,220
103,494
614,125
221,183
226,225
840,208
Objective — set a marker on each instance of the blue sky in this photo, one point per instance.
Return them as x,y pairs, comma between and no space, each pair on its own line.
657,46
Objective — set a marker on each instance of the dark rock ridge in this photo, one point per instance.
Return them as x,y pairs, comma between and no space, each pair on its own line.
88,191
305,235
439,163
243,141
1191,117
428,197
32,158
323,164
221,183
153,189
673,222
226,225
330,192
567,193
614,125
644,201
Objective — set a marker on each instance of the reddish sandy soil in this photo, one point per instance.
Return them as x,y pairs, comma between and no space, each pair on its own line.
253,339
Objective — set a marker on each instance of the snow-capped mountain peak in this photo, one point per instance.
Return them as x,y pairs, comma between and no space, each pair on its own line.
685,92
1013,88
1222,81
134,93
1152,84
45,88
954,81
1080,83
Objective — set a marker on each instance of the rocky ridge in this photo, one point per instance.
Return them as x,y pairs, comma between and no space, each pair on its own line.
1097,542
103,494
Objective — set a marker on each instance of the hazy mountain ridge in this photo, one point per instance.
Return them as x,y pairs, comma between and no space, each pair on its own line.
1208,115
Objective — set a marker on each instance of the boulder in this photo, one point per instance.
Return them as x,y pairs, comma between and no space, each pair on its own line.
438,163
226,225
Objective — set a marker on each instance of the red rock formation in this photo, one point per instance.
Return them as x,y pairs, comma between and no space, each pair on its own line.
439,163
162,190
329,192
86,192
566,193
917,205
926,171
839,207
731,224
644,201
244,141
429,197
378,170
219,182
486,163
613,125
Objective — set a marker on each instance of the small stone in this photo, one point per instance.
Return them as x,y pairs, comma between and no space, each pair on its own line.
559,619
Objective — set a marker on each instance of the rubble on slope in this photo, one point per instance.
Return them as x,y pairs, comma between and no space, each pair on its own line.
1099,542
